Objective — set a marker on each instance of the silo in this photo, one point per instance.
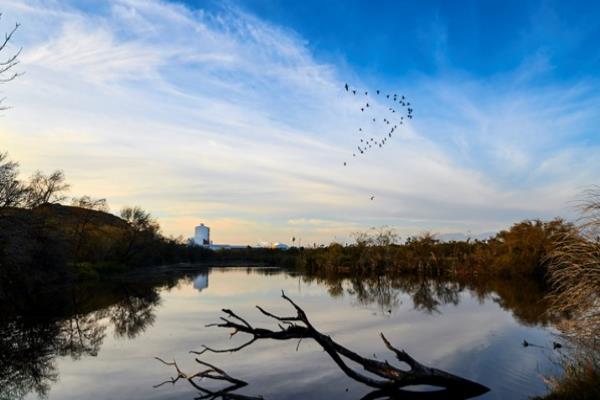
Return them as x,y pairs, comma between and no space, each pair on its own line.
202,235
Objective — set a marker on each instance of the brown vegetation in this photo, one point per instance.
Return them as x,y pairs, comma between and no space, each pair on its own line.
521,250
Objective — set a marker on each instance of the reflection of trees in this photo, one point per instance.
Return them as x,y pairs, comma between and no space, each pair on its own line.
378,290
523,297
80,335
76,327
26,358
134,313
29,347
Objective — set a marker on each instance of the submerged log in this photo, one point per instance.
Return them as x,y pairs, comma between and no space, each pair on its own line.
388,379
211,373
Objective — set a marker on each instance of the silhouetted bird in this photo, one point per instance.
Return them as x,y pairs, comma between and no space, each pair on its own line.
366,93
372,197
346,87
373,119
362,109
525,343
344,163
556,345
354,92
367,104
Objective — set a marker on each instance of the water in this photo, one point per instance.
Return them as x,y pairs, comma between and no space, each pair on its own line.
101,339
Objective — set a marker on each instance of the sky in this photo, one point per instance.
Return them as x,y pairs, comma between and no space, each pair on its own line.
234,114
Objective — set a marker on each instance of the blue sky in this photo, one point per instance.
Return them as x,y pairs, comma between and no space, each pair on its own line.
234,114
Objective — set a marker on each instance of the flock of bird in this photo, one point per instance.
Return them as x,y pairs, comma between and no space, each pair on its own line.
375,133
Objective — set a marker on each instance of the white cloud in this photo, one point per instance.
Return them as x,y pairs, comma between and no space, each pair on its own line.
223,118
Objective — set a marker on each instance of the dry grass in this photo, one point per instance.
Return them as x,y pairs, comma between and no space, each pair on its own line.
581,375
574,268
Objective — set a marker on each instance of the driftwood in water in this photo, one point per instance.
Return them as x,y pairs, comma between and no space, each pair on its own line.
387,379
211,373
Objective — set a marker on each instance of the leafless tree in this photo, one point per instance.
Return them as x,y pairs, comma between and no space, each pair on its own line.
12,190
44,189
8,62
90,203
139,220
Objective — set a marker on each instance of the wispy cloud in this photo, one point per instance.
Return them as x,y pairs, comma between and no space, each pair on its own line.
218,116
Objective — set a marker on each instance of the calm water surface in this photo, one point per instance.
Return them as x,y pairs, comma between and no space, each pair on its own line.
101,341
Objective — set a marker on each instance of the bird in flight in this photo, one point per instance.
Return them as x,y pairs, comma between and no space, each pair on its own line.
392,117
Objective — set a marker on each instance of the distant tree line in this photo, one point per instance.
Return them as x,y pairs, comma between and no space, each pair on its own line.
522,250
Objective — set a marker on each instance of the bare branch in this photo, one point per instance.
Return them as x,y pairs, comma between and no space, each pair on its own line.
392,379
212,373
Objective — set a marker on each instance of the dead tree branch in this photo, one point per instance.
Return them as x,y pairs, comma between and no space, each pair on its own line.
211,373
7,65
388,378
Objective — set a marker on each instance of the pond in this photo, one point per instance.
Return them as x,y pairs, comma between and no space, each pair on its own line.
99,341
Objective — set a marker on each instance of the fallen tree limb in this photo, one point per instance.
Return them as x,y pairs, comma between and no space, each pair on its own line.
211,373
388,379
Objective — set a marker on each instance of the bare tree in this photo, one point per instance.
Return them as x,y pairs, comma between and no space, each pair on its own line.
12,191
143,229
7,63
90,203
139,220
46,188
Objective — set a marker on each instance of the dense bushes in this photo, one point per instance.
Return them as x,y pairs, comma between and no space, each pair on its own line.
520,250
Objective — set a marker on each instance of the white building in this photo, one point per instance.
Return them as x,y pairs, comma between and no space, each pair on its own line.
202,235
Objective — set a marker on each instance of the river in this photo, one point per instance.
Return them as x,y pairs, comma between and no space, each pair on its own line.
98,341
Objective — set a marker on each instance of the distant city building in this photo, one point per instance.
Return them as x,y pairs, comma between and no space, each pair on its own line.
202,235
202,238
